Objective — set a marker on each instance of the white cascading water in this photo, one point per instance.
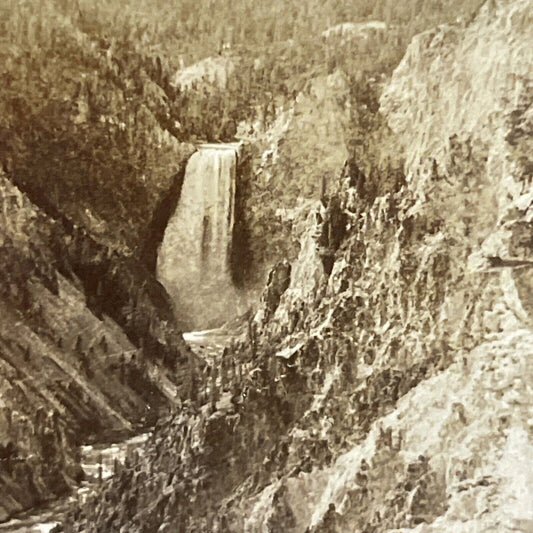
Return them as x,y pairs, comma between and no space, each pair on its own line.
194,258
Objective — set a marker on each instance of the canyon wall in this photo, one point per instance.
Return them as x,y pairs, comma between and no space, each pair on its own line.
70,372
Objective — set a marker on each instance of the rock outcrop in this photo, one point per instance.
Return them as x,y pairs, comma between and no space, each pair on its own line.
211,71
297,158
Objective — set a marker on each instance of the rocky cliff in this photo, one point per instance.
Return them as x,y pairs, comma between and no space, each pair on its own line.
385,386
70,371
292,162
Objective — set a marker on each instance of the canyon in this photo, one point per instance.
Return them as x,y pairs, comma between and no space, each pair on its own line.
321,324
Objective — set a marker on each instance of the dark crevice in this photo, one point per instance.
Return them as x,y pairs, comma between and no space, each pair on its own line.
157,226
241,258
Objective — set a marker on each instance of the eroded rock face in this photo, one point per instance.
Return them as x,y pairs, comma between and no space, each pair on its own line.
398,398
211,70
297,162
68,371
351,30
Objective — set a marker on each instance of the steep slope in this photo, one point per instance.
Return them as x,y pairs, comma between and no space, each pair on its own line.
386,387
68,372
89,343
451,287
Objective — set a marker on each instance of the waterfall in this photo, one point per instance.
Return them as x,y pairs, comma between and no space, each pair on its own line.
194,258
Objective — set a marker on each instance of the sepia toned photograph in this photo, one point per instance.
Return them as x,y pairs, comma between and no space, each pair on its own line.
266,266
